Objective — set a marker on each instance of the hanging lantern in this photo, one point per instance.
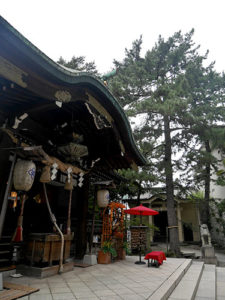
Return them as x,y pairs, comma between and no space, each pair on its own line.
37,198
103,198
13,198
23,176
46,174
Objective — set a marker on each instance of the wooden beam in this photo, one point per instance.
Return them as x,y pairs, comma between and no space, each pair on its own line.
46,159
12,72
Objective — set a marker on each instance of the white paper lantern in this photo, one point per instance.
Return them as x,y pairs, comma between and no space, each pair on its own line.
23,176
103,198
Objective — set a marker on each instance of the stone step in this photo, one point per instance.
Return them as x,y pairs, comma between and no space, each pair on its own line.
4,262
207,285
6,238
220,286
221,263
4,252
188,254
7,271
187,287
167,287
5,244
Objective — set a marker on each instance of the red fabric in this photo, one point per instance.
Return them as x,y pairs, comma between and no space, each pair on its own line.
156,255
18,237
141,210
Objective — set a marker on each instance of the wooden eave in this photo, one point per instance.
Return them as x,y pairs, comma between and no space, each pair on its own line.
30,85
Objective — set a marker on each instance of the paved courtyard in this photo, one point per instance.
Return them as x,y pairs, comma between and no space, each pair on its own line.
119,280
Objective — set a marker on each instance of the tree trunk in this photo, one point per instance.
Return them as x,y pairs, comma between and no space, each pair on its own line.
171,213
204,215
81,239
139,195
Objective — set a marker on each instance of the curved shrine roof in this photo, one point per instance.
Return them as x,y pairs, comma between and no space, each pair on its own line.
60,103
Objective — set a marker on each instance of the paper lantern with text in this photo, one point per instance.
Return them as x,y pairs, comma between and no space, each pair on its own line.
103,198
23,176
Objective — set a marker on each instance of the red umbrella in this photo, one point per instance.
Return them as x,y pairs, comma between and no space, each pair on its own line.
141,211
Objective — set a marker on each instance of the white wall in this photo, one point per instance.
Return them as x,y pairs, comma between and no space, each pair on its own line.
217,192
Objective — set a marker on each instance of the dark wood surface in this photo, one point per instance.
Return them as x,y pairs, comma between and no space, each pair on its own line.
42,248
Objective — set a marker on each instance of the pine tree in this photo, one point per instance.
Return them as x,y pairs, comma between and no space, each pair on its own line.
208,94
158,89
79,64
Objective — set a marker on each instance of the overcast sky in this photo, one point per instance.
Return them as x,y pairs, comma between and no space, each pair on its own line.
101,30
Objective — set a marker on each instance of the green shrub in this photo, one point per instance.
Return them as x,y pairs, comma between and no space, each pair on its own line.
170,253
108,248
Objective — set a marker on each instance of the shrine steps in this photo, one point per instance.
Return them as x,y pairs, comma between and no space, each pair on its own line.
207,285
188,286
220,279
211,285
5,251
193,280
167,287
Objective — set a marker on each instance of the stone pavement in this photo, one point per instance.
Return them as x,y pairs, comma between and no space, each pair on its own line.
195,249
119,280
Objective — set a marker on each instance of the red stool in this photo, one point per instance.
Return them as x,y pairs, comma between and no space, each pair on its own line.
156,257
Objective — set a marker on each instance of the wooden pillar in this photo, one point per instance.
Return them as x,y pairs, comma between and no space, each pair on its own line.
82,213
150,220
5,142
93,221
5,165
180,227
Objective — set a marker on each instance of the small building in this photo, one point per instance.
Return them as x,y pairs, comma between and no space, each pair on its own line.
187,217
68,124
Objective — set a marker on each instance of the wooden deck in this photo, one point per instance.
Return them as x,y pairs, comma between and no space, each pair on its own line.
14,291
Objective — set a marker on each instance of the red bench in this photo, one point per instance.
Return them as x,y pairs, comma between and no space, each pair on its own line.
156,257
